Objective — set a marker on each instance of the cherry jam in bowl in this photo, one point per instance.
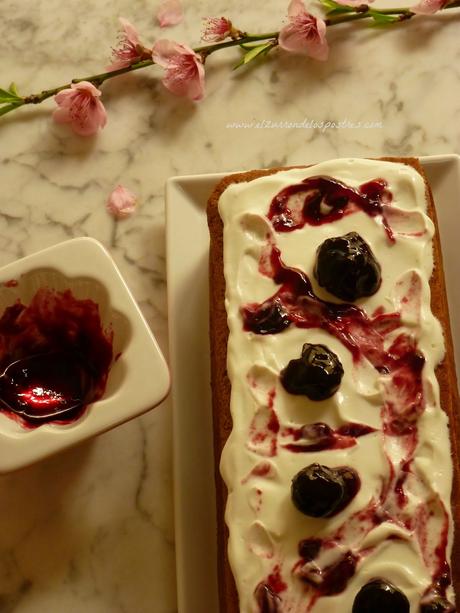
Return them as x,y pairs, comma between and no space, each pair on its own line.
76,354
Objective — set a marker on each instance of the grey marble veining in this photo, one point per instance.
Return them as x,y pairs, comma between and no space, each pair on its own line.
91,530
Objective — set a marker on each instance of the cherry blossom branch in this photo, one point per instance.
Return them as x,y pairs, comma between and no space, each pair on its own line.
245,39
98,79
400,14
79,101
366,12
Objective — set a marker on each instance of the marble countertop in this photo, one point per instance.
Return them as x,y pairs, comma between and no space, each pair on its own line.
91,530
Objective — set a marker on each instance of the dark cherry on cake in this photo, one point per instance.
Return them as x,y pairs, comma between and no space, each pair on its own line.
347,268
321,491
379,596
317,374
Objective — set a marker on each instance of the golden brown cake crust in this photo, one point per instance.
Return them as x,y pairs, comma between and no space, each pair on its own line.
221,389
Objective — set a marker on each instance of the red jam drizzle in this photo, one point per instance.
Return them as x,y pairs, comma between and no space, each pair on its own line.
264,429
55,353
309,548
10,283
267,593
362,335
400,366
321,578
332,579
276,582
322,199
319,437
262,469
404,471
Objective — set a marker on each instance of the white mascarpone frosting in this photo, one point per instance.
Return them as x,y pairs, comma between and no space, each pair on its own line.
265,527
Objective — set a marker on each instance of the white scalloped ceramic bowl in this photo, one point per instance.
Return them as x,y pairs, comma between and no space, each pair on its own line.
138,379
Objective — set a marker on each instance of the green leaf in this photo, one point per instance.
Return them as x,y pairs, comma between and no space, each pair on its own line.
382,19
6,108
8,96
250,46
334,8
256,51
13,89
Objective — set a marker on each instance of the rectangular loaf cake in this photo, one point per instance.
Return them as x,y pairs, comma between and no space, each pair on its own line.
334,392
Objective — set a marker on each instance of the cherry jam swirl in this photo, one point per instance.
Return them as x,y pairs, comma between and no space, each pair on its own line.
295,303
319,437
321,199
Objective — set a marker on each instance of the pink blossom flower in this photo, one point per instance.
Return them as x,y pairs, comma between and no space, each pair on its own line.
169,13
184,68
216,29
79,105
121,202
428,7
129,50
305,33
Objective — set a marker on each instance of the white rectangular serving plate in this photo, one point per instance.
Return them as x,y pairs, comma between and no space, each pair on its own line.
187,271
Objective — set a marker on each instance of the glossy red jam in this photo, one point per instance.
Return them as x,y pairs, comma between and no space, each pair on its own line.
319,200
55,358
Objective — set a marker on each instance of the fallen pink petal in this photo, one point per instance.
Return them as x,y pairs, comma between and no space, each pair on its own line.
170,13
304,34
79,106
121,202
129,49
428,7
184,70
216,29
